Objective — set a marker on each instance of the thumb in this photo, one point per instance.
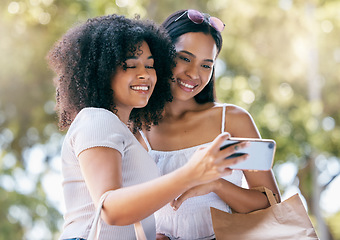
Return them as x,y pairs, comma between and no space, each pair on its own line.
178,202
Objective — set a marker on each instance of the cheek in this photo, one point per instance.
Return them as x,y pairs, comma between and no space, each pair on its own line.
153,80
153,77
207,76
178,69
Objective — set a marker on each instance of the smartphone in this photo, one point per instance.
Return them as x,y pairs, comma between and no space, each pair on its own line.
261,153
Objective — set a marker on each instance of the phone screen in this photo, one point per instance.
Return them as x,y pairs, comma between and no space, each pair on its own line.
261,153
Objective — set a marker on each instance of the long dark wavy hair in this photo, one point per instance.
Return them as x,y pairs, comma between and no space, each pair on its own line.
176,26
87,56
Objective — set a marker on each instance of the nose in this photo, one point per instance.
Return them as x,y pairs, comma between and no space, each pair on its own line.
192,71
142,72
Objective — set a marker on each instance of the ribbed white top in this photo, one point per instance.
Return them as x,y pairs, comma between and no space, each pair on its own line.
95,127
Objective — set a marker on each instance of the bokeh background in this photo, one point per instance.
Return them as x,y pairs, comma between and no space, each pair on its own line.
280,61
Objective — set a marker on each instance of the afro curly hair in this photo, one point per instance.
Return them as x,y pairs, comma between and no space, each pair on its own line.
86,58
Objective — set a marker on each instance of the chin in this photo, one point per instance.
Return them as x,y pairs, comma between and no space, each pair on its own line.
183,95
141,105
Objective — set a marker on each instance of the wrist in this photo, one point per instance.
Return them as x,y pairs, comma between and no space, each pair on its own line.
185,177
217,185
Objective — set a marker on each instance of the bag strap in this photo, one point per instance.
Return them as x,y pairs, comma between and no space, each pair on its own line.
95,229
270,195
139,231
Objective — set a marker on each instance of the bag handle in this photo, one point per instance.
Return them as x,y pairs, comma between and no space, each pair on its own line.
95,229
270,195
139,231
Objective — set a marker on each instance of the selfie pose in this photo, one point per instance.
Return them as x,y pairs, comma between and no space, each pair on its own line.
191,121
105,68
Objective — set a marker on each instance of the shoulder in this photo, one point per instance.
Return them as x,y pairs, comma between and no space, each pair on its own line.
92,112
239,122
97,127
96,116
237,112
96,119
232,112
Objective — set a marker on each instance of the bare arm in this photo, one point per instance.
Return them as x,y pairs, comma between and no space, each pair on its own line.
240,124
240,199
249,130
101,168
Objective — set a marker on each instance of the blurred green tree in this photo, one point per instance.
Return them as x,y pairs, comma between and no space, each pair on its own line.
280,61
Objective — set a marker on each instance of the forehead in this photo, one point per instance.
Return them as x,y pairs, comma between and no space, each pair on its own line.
198,43
141,48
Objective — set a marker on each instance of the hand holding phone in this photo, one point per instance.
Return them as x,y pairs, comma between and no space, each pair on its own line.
261,153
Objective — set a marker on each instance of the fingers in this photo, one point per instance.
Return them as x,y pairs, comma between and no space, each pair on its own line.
175,204
224,165
232,156
232,150
216,144
211,163
225,151
199,190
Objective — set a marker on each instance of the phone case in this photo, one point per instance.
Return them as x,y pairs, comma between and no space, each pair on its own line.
261,153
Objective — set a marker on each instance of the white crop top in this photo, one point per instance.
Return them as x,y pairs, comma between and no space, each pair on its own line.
192,220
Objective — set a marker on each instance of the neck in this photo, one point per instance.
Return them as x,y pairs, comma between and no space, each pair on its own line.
178,108
123,114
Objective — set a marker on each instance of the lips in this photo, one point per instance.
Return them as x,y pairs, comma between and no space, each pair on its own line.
186,85
140,88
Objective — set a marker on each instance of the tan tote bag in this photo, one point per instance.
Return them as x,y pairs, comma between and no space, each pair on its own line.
285,220
95,229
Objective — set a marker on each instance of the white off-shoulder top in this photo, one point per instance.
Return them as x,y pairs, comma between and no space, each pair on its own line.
193,219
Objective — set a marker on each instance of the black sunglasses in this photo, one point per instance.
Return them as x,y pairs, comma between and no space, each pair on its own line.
197,17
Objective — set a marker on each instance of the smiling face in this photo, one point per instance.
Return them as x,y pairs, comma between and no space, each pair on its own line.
196,56
133,86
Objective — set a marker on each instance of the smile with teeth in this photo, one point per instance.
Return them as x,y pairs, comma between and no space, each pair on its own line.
186,85
140,88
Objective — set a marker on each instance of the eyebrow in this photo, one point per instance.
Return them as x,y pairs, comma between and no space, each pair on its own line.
194,56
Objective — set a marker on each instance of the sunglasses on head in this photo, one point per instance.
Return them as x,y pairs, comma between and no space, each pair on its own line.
197,17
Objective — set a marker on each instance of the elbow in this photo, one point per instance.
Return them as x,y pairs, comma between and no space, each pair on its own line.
244,210
251,207
117,219
110,220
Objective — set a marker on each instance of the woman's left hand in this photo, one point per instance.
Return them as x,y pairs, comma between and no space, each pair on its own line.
193,192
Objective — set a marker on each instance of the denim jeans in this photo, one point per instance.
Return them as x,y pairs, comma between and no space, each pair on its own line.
75,239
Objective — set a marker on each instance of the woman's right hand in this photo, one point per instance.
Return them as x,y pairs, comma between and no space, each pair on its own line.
210,163
160,236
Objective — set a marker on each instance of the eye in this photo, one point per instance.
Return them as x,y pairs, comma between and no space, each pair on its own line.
130,63
184,58
206,66
149,64
130,66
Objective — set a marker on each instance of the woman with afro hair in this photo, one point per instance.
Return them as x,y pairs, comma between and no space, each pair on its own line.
112,71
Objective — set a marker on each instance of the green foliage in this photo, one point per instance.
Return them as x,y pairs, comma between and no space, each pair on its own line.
20,213
334,224
277,55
